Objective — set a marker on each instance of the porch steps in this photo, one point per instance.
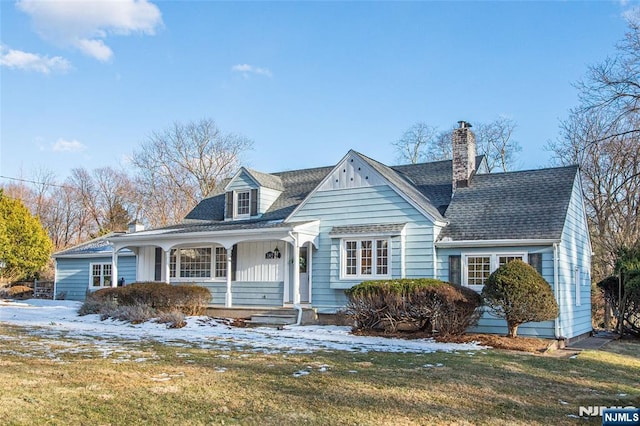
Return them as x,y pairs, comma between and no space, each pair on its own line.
274,318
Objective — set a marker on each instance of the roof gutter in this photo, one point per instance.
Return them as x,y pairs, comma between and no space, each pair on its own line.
496,243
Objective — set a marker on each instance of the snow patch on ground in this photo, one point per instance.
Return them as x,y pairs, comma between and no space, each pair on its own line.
51,318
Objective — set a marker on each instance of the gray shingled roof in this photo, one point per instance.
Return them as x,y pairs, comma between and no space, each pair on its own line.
387,228
428,184
516,205
267,180
433,179
96,246
405,186
297,184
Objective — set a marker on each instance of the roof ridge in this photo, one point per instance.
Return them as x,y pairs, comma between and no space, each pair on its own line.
541,169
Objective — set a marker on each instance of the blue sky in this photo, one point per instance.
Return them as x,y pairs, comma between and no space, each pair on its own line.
82,84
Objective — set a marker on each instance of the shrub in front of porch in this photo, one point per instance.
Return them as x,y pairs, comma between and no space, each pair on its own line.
139,302
421,304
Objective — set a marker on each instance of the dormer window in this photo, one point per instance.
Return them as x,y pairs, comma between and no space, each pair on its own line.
243,203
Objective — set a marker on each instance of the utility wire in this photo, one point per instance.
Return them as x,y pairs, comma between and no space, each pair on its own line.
36,182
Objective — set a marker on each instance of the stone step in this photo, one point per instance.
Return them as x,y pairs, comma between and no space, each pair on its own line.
274,318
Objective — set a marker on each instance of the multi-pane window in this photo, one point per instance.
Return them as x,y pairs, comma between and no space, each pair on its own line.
221,262
243,203
351,257
382,256
478,269
101,275
366,258
503,260
199,262
195,263
172,263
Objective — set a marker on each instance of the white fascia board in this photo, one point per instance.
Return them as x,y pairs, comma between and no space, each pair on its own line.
204,236
496,243
90,255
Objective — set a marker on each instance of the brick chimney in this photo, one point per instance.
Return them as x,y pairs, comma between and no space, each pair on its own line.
464,155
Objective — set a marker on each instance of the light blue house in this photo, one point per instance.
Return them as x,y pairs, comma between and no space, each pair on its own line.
88,267
302,237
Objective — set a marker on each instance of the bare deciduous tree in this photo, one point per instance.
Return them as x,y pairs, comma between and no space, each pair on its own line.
422,142
495,142
414,144
614,84
179,166
609,159
602,135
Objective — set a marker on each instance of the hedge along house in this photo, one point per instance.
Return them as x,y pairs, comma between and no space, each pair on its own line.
304,236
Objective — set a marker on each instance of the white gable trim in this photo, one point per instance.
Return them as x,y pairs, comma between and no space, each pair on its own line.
353,172
584,210
384,180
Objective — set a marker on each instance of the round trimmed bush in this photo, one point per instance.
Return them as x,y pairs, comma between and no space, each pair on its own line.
519,294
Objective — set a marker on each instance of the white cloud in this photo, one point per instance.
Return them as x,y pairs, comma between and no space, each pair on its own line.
84,24
17,59
246,70
62,145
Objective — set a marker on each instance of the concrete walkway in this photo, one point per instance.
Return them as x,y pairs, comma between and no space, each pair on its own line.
597,341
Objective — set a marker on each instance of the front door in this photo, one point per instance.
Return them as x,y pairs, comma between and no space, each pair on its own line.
304,275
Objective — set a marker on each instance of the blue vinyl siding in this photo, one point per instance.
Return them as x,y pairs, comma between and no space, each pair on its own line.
489,323
247,293
266,198
363,206
73,275
242,182
574,251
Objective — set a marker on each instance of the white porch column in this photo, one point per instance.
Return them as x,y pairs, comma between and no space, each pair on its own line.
296,272
167,271
228,296
114,268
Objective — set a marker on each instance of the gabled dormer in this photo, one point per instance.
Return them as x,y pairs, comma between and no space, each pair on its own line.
250,193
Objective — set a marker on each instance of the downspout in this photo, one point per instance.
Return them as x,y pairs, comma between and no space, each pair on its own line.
556,278
299,309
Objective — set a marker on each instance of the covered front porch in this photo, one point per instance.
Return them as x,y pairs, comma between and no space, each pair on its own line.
243,265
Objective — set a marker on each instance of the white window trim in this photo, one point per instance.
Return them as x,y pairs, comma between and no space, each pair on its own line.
236,201
91,286
212,278
494,259
359,276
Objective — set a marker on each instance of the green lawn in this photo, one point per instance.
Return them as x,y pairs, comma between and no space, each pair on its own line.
60,380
